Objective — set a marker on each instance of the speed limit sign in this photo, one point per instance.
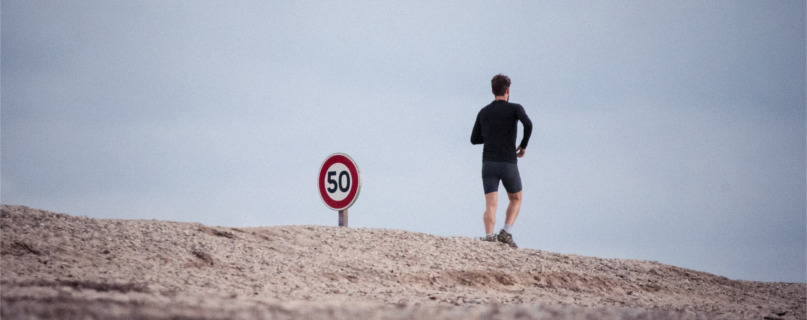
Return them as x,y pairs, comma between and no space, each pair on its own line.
339,182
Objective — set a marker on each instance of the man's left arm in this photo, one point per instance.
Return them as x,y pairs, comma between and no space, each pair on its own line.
476,134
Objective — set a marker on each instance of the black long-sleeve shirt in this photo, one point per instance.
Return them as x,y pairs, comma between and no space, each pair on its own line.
496,126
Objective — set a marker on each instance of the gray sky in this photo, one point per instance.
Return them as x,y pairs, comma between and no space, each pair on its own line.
664,130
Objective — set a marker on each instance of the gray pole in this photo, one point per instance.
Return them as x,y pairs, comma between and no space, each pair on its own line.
343,218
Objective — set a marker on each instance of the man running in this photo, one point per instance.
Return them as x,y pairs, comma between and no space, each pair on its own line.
496,128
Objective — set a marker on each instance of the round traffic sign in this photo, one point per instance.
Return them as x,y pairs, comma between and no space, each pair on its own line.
339,181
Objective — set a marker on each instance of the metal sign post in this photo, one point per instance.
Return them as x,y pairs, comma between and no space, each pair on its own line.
343,218
339,184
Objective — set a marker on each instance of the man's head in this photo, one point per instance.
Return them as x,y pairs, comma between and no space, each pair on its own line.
500,83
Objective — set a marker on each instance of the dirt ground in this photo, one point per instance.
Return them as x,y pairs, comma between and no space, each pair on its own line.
57,266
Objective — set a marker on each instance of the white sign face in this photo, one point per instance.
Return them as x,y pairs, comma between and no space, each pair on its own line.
339,181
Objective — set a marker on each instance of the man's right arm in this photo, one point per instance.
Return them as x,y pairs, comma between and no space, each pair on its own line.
525,121
476,134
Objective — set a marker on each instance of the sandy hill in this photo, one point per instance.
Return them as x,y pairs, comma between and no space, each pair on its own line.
65,267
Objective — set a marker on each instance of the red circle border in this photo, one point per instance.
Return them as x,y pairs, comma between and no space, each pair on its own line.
354,186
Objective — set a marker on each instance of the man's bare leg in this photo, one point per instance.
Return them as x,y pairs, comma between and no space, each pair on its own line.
491,201
513,208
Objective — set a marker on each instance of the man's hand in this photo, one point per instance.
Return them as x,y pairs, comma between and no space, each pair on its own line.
520,152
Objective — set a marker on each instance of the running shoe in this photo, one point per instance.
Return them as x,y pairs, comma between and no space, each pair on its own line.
507,238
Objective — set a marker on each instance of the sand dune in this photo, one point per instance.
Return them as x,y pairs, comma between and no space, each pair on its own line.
64,267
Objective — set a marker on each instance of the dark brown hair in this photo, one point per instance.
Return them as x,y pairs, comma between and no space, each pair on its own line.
500,83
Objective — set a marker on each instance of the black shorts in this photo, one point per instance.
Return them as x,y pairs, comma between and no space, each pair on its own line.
506,172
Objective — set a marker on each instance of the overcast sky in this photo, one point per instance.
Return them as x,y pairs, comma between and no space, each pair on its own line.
664,130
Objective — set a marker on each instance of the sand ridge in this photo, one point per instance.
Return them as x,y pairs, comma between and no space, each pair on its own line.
60,266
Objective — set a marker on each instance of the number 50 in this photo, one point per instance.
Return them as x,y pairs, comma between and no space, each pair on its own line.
344,187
